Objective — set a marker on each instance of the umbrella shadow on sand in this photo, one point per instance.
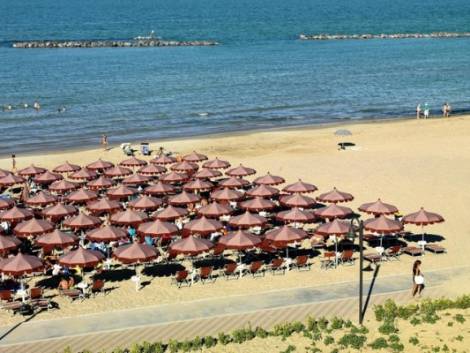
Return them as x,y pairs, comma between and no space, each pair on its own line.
162,270
429,238
116,275
387,241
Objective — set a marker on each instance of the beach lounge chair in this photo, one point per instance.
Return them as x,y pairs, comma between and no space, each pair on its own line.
301,263
230,271
413,251
98,287
347,257
373,257
328,260
256,269
5,295
36,293
393,252
205,274
72,294
435,248
181,278
144,149
13,306
218,250
277,266
266,247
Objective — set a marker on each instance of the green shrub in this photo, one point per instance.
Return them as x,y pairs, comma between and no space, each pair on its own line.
322,323
290,348
328,340
173,346
336,323
209,341
450,324
317,336
348,324
397,347
261,333
242,335
118,350
393,338
197,344
359,330
223,339
387,328
459,318
287,329
335,350
135,348
415,321
459,338
352,340
379,343
414,340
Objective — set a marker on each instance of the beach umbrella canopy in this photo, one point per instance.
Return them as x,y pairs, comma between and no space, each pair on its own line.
191,246
186,167
300,187
82,221
422,218
198,185
20,265
133,162
295,215
106,234
203,226
343,132
8,243
117,172
162,160
171,213
257,204
160,189
100,165
157,228
103,206
146,203
16,214
216,164
378,207
383,225
240,171
136,179
285,235
47,177
206,173
4,173
41,199
81,257
226,194
269,179
33,227
234,183
336,227
121,191
135,253
297,200
6,203
239,240
128,218
335,196
56,239
174,177
215,210
333,211
10,180
66,168
195,157
59,211
263,191
62,186
83,174
82,196
247,220
184,198
101,183
151,170
32,170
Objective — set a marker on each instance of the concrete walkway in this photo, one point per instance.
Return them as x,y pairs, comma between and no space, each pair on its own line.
236,309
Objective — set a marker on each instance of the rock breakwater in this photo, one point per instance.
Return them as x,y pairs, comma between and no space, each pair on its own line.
384,36
32,44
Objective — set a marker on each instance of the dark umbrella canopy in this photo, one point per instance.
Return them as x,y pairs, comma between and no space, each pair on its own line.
62,186
297,200
195,157
66,168
247,220
128,218
100,165
103,206
263,191
106,234
81,257
226,194
203,226
10,180
191,246
206,173
171,213
151,170
82,196
56,239
184,198
269,179
20,265
239,240
47,177
59,211
101,183
257,204
160,189
41,199
215,210
157,228
234,183
174,177
185,167
295,215
383,225
82,221
117,172
333,211
133,162
336,227
6,203
16,214
422,218
216,164
335,196
300,187
32,170
285,235
146,203
8,243
162,160
378,207
121,192
198,185
135,253
240,171
136,179
83,174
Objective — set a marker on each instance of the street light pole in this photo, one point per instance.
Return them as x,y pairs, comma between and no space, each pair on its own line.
361,275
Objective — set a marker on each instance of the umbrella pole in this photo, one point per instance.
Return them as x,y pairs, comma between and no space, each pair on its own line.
336,253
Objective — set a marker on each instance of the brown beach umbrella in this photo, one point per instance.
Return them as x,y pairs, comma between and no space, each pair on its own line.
159,189
234,183
100,165
226,194
31,171
133,162
216,164
83,175
101,183
336,227
162,160
56,239
185,167
62,186
4,173
247,220
257,204
20,265
117,172
191,246
151,170
103,206
82,221
66,168
174,177
206,173
269,179
295,215
285,235
146,203
297,200
106,234
157,228
16,214
383,225
6,203
422,218
263,191
335,196
184,198
135,253
198,185
41,199
33,227
203,226
136,179
333,211
82,196
47,178
8,243
195,157
378,207
10,180
240,171
239,240
59,211
171,213
121,192
81,257
215,210
128,218
300,187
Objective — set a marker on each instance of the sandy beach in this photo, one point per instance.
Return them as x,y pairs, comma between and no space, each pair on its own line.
408,163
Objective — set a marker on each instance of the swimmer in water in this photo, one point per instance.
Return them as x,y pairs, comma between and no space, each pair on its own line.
37,106
25,105
61,109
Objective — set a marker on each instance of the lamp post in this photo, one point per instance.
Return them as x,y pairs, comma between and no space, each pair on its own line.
360,229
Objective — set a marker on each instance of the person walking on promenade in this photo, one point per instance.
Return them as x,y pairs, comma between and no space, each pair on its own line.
418,111
418,279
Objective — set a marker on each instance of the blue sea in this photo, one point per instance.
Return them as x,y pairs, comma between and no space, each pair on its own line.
261,76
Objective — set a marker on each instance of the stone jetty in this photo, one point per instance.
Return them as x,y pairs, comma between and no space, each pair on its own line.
133,43
384,36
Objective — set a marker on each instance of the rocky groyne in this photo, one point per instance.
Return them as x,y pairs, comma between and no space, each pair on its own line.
32,44
384,36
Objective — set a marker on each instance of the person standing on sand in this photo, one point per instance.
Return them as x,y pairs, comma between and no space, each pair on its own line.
104,141
426,111
418,111
446,110
418,279
13,163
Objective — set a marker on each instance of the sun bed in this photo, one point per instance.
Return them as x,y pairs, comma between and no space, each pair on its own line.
435,248
413,251
277,266
393,253
347,257
255,269
205,274
181,278
373,257
13,307
301,263
72,294
230,271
